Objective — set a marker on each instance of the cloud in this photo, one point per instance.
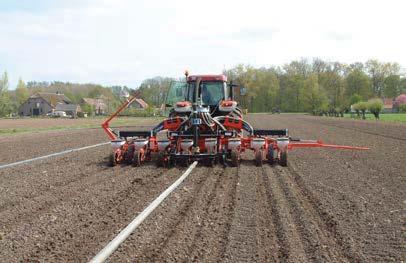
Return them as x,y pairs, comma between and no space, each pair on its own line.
124,42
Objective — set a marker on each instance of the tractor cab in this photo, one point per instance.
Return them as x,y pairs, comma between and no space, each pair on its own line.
212,89
208,91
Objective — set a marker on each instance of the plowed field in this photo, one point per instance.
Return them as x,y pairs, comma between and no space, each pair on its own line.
326,206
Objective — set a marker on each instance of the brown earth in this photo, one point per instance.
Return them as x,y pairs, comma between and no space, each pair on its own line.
334,206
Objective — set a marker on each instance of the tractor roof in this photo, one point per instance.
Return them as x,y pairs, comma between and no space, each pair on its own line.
207,78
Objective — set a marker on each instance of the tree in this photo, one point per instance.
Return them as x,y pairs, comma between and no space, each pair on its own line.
375,106
402,86
332,82
392,86
154,90
357,82
5,104
378,72
362,106
314,96
355,98
21,92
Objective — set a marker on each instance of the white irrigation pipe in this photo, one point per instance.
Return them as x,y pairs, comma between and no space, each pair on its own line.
123,235
51,155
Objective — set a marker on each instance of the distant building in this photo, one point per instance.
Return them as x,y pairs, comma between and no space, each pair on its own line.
139,104
70,109
42,103
387,105
98,105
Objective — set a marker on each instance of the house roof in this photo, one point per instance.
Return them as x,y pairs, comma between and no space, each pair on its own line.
98,103
67,107
387,103
52,98
142,103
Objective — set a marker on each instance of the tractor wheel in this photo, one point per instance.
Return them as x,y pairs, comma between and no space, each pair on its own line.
283,161
258,158
271,159
235,159
112,160
137,159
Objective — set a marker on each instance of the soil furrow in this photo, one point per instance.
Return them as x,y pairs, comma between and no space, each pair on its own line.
290,244
269,236
88,219
242,245
318,242
326,221
165,223
193,221
212,237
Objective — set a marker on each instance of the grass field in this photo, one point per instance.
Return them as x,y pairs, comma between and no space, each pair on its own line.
30,125
397,117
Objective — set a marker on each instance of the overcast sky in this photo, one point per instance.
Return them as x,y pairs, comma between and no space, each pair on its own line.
125,41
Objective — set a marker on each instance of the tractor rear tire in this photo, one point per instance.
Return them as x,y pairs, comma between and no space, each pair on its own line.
235,159
137,159
283,161
258,158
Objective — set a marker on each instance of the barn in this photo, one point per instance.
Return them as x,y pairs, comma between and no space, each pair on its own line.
42,103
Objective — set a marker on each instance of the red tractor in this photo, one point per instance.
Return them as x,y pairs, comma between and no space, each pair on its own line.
204,124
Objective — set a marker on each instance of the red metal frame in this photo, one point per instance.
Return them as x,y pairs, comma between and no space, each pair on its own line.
105,124
293,145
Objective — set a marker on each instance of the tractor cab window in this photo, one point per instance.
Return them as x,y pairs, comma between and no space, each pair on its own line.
176,92
211,92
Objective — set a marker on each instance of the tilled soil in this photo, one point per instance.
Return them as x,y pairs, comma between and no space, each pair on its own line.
327,206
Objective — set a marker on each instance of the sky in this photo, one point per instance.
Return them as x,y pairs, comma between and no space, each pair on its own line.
123,42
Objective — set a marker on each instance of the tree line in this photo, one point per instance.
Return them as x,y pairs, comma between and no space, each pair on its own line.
315,86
